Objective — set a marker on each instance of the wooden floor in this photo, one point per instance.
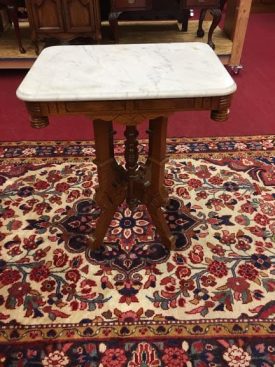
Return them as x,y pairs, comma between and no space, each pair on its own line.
130,32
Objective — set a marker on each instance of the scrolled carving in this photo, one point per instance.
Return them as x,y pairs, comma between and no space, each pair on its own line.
129,118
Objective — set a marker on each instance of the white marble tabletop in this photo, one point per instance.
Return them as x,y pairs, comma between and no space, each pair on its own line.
124,72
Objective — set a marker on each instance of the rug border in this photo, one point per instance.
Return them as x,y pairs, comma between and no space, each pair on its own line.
214,154
138,330
188,138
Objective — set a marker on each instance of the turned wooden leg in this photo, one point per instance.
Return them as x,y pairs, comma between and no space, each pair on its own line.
156,194
131,159
12,10
111,189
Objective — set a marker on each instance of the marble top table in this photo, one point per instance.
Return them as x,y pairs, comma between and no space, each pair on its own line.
127,84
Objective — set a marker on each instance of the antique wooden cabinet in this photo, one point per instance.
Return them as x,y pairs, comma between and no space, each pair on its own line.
63,19
178,9
146,10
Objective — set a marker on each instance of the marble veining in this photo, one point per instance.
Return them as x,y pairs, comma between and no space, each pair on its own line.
124,72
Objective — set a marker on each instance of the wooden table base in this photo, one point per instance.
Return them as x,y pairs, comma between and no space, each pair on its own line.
136,183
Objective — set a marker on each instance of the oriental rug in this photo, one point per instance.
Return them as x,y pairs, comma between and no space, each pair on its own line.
132,303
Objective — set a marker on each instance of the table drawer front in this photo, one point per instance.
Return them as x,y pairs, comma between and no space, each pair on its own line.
131,5
103,108
195,3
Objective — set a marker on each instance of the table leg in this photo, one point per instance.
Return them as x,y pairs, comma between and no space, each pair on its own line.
216,14
111,190
156,194
183,19
135,184
200,31
113,22
12,9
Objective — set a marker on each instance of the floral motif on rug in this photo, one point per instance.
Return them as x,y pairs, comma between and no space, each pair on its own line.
132,303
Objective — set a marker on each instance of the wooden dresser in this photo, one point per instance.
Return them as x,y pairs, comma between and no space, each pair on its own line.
63,19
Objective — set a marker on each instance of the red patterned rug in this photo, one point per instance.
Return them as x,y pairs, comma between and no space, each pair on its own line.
132,303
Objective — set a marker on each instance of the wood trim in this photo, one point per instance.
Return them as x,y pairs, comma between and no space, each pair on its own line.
20,63
235,25
128,112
